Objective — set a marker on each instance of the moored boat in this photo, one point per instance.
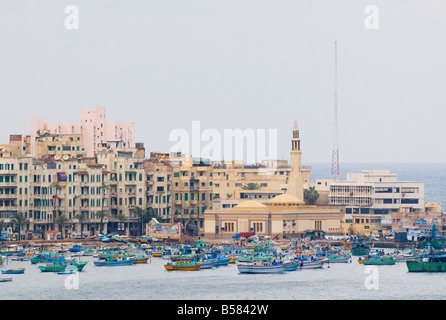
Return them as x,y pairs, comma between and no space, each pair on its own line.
63,266
183,266
6,279
14,271
431,262
426,266
112,262
141,259
261,268
339,258
377,261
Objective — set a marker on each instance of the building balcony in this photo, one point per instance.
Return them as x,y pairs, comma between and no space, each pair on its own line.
8,208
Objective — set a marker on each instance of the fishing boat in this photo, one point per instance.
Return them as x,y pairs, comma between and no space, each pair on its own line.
341,258
22,256
104,238
360,247
207,263
387,260
62,266
6,279
141,259
9,250
430,262
113,261
47,257
76,248
183,266
290,265
261,268
14,271
309,263
157,253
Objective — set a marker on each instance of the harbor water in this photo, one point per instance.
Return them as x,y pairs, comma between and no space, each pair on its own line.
346,281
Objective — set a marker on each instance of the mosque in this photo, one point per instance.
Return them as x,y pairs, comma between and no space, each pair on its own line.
284,216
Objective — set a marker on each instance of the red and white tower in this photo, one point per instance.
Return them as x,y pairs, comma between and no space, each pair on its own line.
335,154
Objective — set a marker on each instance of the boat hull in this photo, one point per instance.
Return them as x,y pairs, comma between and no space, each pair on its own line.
188,267
141,260
63,267
260,269
425,266
360,252
14,271
114,263
378,263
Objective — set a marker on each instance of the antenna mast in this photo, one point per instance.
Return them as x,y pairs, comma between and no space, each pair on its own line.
335,154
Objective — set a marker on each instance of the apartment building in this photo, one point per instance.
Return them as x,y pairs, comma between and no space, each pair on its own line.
45,190
159,174
192,191
92,125
59,146
127,184
373,196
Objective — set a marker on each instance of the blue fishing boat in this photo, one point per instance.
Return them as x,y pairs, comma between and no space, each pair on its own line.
76,248
291,266
104,238
14,271
111,262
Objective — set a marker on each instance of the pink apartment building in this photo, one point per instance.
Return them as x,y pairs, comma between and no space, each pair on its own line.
92,126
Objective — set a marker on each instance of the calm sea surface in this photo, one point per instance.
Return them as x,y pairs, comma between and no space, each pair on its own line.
346,281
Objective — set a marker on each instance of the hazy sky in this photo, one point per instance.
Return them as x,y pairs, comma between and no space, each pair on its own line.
229,64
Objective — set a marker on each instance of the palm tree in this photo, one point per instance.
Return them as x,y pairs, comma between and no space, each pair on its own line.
150,213
19,218
62,221
101,215
57,186
251,186
311,195
140,213
82,217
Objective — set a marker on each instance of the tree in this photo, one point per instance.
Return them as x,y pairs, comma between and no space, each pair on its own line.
251,186
140,213
150,214
19,218
57,186
311,195
82,217
62,221
101,215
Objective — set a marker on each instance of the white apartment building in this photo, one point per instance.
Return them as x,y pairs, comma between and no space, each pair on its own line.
377,193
